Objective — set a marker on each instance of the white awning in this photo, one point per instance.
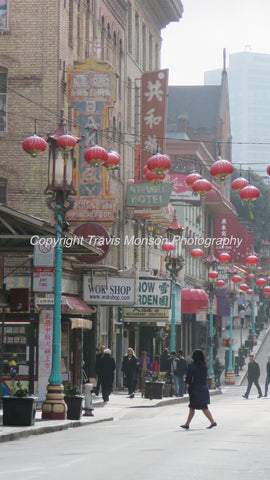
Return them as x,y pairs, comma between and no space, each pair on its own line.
81,323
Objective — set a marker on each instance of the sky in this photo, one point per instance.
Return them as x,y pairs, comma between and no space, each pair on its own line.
195,43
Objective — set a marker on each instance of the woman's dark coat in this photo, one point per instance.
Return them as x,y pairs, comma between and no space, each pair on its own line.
197,379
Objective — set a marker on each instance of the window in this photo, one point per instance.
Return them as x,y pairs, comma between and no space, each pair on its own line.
137,39
3,101
3,191
3,14
70,25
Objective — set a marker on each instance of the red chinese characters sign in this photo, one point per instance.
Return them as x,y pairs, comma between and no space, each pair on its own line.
232,237
154,95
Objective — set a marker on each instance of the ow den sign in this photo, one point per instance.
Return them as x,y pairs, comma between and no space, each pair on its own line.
154,293
109,291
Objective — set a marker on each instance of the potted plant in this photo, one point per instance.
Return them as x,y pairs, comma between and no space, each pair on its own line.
19,409
74,401
154,388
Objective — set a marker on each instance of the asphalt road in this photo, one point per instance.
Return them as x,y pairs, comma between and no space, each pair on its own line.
146,443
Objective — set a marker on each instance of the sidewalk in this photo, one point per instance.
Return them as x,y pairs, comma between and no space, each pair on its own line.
237,344
102,413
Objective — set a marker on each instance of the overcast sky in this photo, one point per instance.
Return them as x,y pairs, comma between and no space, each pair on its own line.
195,44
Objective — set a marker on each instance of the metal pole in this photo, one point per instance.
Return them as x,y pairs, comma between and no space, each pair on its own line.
252,309
210,367
230,365
55,376
31,373
173,314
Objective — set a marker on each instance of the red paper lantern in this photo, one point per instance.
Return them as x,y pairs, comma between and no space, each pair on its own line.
251,276
196,252
224,257
243,287
268,169
96,156
34,145
221,168
259,269
236,279
249,193
249,291
191,178
112,161
159,163
252,260
268,278
201,186
167,247
153,177
239,183
261,282
67,141
145,170
266,290
213,275
220,284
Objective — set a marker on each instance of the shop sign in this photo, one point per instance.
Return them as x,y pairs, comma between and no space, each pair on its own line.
153,293
201,317
148,194
43,279
146,315
20,281
109,291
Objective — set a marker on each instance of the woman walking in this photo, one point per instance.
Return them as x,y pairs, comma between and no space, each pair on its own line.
130,369
197,388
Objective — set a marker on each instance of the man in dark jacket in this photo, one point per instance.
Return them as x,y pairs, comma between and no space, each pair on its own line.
253,376
174,369
107,368
267,380
182,372
130,368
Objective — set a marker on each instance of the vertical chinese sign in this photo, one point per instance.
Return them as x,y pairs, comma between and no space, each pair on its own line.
154,99
91,89
44,350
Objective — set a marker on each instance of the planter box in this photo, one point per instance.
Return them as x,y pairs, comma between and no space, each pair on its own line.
167,390
154,390
74,405
19,411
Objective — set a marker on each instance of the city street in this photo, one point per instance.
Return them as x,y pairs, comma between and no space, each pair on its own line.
148,443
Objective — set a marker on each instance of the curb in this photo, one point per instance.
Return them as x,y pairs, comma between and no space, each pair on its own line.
6,437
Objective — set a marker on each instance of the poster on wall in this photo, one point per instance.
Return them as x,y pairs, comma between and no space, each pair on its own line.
91,92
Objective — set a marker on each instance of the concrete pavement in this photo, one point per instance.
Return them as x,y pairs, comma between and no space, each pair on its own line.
120,400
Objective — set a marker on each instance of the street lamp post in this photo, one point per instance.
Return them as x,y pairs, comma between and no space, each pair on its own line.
174,263
252,261
60,187
233,280
211,262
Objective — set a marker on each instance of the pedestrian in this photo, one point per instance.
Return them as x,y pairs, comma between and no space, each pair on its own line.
248,313
242,316
182,372
218,369
145,369
267,380
253,376
99,356
107,368
198,392
164,360
174,365
155,364
130,369
189,359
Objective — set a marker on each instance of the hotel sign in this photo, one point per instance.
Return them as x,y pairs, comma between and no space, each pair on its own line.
148,195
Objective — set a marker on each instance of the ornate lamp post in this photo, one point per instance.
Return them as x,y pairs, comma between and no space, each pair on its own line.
233,280
174,263
60,187
211,262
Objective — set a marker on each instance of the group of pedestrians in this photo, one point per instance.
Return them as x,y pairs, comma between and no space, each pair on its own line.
253,376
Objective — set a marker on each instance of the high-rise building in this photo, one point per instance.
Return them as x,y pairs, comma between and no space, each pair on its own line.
249,94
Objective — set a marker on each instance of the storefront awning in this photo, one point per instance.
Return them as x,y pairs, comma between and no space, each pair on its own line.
75,305
81,323
193,300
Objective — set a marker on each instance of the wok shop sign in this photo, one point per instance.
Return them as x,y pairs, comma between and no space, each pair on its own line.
108,291
154,293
